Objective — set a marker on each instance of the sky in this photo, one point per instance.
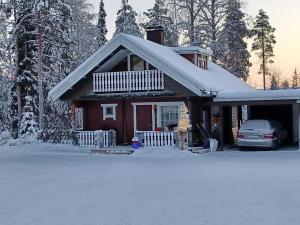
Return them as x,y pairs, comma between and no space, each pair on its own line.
284,16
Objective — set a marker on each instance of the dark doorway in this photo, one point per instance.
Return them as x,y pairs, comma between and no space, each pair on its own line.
281,113
228,138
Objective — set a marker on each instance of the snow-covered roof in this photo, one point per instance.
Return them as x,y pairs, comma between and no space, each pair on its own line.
258,95
192,49
199,81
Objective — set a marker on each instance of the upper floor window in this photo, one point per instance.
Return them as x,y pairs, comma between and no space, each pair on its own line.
136,63
202,61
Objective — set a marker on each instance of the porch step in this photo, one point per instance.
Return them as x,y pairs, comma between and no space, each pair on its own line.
199,150
111,152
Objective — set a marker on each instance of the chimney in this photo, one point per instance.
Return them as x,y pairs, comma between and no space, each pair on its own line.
156,34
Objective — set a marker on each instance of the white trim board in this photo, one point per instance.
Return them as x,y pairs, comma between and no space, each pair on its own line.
114,115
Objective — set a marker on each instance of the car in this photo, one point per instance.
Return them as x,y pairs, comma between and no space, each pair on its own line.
261,134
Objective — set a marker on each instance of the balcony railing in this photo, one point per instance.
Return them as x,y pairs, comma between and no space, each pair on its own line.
129,81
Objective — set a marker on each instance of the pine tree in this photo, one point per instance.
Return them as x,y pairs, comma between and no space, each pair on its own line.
6,66
285,84
264,41
29,126
235,56
101,25
158,16
295,80
275,79
274,84
126,21
26,76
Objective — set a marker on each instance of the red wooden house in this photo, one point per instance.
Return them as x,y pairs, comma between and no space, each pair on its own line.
136,86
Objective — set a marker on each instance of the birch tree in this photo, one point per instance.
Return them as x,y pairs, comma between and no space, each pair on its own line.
190,13
212,19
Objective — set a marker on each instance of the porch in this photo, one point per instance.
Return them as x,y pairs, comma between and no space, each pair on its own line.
107,139
153,120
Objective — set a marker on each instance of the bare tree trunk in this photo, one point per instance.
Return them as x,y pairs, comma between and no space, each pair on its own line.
16,73
263,58
40,76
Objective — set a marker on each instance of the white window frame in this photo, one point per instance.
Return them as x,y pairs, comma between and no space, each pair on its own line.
162,104
108,116
158,108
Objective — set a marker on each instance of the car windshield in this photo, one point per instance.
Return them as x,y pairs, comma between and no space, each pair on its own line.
255,124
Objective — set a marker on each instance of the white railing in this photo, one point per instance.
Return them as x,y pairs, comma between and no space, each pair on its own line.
97,139
146,80
157,139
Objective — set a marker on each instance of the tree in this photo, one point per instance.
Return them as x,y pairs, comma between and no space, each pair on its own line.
212,22
234,55
189,11
26,77
275,79
101,25
264,41
295,80
274,85
158,16
126,20
29,126
84,32
285,84
6,66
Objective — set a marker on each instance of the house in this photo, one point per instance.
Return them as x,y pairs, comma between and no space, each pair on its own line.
135,87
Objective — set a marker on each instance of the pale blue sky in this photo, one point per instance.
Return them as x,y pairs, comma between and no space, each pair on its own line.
284,15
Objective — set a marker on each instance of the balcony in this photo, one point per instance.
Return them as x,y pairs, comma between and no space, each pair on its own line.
128,81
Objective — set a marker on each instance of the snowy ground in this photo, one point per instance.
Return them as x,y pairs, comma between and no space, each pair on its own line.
62,185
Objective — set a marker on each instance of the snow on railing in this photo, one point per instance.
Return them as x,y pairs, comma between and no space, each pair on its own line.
145,80
97,139
157,139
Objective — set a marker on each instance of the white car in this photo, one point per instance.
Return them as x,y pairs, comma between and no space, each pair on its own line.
261,133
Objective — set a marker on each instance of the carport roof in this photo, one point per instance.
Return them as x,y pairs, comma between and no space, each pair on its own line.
258,95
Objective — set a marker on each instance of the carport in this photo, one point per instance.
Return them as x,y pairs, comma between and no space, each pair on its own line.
236,107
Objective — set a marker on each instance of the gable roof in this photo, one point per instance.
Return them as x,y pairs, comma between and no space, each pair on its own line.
164,58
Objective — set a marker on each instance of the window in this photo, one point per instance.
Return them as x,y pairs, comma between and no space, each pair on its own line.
109,111
136,63
202,61
78,120
169,115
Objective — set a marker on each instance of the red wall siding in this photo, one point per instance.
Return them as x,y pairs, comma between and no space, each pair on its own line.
189,57
93,114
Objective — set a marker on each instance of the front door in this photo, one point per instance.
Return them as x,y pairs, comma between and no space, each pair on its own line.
144,117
